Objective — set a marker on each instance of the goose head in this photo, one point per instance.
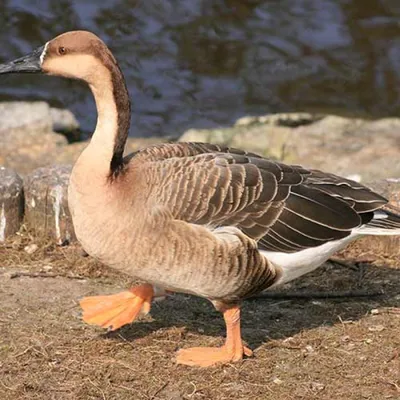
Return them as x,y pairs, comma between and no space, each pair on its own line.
77,54
82,55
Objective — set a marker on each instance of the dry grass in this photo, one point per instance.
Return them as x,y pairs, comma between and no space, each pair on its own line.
304,349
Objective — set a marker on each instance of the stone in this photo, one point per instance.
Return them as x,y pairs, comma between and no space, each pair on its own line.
37,115
31,248
365,149
64,122
46,203
264,139
216,136
22,114
389,188
280,119
24,151
69,154
11,203
346,146
26,137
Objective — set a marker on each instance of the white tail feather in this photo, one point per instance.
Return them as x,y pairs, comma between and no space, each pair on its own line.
372,230
294,265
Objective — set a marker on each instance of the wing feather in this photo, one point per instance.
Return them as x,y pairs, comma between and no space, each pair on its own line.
285,207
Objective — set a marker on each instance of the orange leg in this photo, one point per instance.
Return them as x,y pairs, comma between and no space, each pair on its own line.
233,349
119,309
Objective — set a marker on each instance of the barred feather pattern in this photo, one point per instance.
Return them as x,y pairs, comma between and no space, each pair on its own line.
284,208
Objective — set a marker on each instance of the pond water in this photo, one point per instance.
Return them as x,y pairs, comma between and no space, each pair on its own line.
205,63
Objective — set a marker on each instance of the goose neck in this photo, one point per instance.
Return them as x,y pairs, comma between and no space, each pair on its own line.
113,118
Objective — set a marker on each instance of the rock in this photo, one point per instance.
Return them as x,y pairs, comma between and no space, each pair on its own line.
11,203
281,119
265,139
347,146
216,136
344,146
46,207
376,328
266,135
22,114
26,150
317,386
389,188
37,115
70,153
31,248
64,122
26,137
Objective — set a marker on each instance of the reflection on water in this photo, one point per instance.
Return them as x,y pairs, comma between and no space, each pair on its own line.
202,63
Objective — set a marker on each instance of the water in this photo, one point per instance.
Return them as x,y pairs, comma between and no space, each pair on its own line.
205,63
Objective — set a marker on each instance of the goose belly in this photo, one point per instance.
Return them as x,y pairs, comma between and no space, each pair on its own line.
294,265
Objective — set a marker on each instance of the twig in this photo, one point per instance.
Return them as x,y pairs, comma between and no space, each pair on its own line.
97,387
389,310
160,389
343,263
126,388
7,387
18,274
393,384
126,341
317,295
24,352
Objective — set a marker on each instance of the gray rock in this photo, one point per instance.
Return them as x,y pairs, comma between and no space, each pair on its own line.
46,204
281,119
347,146
344,146
216,136
36,115
389,188
64,122
11,203
69,154
22,114
267,139
26,137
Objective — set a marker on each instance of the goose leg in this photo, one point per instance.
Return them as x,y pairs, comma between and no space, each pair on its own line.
233,349
119,309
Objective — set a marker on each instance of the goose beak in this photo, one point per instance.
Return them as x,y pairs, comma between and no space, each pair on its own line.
30,63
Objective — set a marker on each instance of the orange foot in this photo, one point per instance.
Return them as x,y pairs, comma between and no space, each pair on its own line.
232,351
208,356
119,309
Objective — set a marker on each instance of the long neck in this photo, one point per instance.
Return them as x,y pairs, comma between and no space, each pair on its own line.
113,119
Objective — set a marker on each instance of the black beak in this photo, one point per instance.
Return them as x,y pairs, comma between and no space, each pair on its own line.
29,63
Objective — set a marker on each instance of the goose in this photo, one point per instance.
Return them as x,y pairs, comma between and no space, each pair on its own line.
197,218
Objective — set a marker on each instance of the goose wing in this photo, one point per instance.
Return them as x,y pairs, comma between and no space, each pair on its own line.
286,208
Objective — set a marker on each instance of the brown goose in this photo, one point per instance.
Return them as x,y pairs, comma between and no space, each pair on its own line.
195,218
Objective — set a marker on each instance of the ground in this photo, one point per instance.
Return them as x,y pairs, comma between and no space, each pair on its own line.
343,348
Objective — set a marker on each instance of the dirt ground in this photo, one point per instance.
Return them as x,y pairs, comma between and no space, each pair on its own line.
343,348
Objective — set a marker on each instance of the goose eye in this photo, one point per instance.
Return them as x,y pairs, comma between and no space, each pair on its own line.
62,50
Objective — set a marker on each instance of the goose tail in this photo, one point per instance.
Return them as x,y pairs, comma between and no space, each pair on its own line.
385,221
